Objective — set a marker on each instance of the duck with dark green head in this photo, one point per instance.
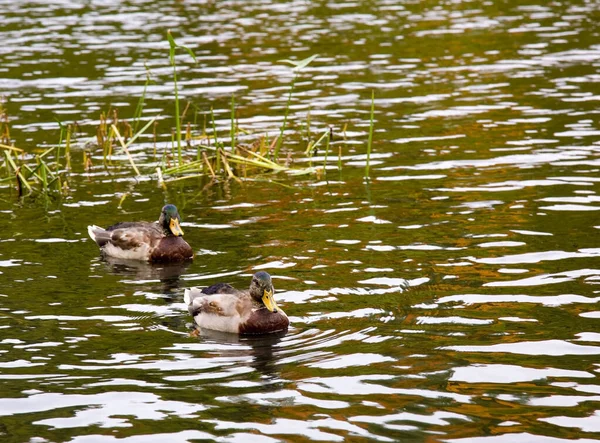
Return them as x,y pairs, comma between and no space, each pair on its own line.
221,307
157,242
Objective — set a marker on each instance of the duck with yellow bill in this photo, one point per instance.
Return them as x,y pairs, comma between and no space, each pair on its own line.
156,242
221,307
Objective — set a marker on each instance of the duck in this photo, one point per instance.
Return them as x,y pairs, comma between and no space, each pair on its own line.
155,242
253,311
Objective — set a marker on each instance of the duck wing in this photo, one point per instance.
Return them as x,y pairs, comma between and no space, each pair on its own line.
220,304
191,294
128,235
220,288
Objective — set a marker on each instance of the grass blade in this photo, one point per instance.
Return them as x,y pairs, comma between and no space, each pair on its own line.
205,158
232,134
300,64
370,142
285,118
10,148
124,146
141,131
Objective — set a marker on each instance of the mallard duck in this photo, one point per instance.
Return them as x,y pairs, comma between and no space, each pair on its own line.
223,308
155,242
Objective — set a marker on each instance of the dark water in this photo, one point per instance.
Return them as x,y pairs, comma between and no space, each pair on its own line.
453,297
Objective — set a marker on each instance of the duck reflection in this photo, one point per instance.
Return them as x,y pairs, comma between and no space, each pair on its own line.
262,347
167,273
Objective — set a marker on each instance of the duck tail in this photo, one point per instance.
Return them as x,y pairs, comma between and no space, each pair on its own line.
187,299
99,235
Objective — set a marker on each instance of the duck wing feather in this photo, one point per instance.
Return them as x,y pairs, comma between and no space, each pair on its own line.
133,235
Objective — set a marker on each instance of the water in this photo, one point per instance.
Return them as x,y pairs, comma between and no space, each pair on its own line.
453,297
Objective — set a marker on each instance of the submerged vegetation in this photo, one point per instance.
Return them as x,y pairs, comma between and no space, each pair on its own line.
205,154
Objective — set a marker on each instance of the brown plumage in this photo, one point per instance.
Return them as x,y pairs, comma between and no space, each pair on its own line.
223,308
155,242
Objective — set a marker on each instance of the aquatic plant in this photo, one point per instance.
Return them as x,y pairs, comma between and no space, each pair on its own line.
205,153
298,66
370,141
38,176
137,115
174,46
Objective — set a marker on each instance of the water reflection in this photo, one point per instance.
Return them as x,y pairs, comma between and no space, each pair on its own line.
483,197
141,272
262,348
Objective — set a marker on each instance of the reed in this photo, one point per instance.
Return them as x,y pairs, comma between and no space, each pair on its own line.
214,125
212,157
173,47
63,130
298,66
139,109
68,147
124,146
4,126
370,141
11,148
232,132
327,151
27,177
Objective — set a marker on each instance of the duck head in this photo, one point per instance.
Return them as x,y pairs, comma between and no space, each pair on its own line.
261,290
169,220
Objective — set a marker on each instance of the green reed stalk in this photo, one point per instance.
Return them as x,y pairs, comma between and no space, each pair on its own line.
312,146
17,171
326,152
298,66
173,145
370,142
60,140
140,105
52,178
214,125
232,134
43,176
105,149
173,46
198,147
285,118
68,148
177,122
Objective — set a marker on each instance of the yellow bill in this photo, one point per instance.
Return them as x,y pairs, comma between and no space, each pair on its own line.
269,301
175,228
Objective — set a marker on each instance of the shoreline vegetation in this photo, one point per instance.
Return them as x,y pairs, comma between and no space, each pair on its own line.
192,152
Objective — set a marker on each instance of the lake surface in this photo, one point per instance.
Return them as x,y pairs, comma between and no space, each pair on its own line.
453,297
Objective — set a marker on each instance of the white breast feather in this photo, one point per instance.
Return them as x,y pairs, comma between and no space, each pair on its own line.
140,253
218,322
230,319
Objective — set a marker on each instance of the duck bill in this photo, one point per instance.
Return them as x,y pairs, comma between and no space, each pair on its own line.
269,301
175,228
